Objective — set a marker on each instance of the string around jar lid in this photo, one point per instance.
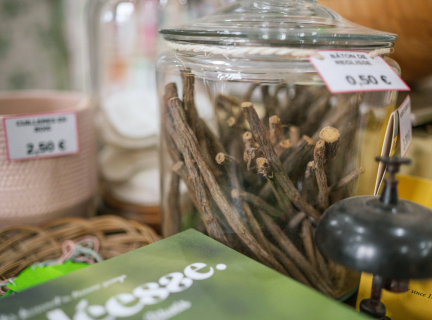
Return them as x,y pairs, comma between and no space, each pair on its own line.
293,52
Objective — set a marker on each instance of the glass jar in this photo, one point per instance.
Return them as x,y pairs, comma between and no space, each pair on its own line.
124,44
254,147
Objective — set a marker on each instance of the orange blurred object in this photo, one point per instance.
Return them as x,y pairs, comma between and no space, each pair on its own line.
411,20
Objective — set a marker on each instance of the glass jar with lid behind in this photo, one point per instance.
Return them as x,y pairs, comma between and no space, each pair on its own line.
254,147
124,45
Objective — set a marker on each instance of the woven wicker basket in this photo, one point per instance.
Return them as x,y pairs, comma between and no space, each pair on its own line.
22,246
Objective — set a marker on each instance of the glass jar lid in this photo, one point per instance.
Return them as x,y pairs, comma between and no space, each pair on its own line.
277,23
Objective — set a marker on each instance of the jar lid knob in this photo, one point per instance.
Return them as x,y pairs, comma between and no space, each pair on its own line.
389,196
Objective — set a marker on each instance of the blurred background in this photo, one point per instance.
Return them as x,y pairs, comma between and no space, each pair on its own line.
44,44
41,44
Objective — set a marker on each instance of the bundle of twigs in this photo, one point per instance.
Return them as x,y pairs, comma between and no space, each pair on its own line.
258,190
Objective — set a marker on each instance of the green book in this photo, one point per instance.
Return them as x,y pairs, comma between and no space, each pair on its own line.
187,276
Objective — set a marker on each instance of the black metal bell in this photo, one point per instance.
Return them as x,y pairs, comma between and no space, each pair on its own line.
383,235
380,235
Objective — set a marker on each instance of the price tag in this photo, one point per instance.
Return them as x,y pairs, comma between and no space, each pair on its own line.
41,136
405,126
353,71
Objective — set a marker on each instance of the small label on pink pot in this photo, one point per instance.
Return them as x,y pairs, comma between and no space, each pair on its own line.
41,136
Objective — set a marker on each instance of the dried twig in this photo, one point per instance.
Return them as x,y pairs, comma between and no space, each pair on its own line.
308,243
294,133
347,179
330,136
292,252
181,170
302,153
263,166
227,103
323,195
269,102
191,144
261,137
290,266
310,183
172,216
203,203
260,204
296,220
291,174
315,113
282,148
275,127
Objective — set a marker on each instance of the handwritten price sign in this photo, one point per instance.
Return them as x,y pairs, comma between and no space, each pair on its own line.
353,71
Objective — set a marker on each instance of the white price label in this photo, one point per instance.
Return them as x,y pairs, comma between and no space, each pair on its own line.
405,126
41,136
353,71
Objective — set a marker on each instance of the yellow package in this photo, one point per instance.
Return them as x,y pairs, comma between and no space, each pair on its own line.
416,303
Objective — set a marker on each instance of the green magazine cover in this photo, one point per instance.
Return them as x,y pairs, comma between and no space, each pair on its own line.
187,276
